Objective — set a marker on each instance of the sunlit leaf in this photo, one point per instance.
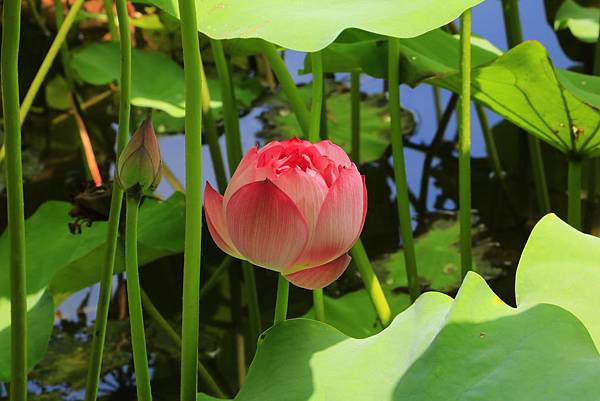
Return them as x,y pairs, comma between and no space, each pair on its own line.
581,21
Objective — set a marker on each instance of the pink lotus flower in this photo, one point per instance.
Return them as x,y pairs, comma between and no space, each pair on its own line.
293,207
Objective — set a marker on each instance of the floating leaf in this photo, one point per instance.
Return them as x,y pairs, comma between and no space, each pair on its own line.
313,24
474,347
581,21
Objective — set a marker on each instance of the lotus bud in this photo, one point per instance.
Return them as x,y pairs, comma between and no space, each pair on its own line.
139,167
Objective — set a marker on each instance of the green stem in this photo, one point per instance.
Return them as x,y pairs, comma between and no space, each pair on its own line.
355,114
152,311
216,276
234,156
110,251
574,184
402,201
437,102
372,285
64,49
490,145
288,85
134,299
317,97
48,60
110,17
212,137
193,204
253,305
319,305
514,36
281,304
464,144
11,21
38,18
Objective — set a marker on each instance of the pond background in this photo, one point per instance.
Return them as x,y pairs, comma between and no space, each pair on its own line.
64,367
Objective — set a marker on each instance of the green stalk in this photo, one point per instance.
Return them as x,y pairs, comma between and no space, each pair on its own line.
38,18
116,202
358,252
64,49
110,17
317,97
355,114
234,156
402,201
216,276
166,327
48,60
574,185
281,304
314,136
319,304
134,299
514,36
372,285
464,144
212,137
288,85
193,204
437,102
11,24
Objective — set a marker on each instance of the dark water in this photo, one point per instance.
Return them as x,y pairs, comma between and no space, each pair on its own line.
72,331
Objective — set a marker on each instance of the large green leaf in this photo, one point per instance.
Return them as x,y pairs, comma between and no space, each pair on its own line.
581,21
157,81
313,24
472,348
59,262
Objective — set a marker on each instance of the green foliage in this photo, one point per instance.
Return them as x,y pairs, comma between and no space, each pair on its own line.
60,263
474,347
312,25
581,21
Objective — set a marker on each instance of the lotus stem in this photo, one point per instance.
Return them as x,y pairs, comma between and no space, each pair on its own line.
464,144
355,114
110,18
11,25
402,200
514,36
134,299
574,193
252,300
116,202
281,304
437,102
317,97
319,305
193,205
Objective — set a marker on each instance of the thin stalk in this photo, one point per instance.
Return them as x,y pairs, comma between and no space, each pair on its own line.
216,276
402,201
319,304
490,145
173,181
234,156
152,311
355,114
281,304
116,202
317,97
372,285
38,18
464,144
11,25
110,17
574,191
288,85
193,205
253,305
86,143
48,60
437,102
358,252
514,36
212,137
134,300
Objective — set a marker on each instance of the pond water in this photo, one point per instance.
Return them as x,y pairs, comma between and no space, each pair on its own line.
381,235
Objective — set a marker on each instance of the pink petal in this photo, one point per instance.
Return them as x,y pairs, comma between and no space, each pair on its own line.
340,220
334,152
215,217
244,173
320,276
265,225
307,190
